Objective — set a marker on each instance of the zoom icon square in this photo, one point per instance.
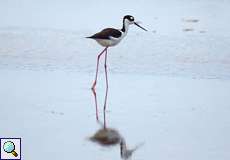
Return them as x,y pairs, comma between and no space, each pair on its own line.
10,148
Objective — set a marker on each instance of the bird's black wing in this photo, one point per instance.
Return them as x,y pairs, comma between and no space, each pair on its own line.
106,34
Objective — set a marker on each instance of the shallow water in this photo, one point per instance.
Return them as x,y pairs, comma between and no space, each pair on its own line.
176,118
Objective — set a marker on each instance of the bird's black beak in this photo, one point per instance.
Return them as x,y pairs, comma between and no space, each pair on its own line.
140,26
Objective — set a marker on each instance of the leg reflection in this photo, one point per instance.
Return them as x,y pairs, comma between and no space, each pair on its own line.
105,136
95,99
97,114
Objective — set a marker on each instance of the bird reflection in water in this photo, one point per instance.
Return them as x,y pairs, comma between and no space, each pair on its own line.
111,137
105,136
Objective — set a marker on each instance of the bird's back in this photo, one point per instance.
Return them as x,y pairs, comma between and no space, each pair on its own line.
107,34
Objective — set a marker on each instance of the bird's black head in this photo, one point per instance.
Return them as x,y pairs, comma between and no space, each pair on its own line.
129,18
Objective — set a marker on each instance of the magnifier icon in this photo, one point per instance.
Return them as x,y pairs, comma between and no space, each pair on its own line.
9,147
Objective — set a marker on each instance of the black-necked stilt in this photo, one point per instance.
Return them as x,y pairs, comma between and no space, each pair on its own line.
110,37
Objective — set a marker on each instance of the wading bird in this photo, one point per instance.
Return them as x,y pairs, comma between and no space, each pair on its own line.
110,37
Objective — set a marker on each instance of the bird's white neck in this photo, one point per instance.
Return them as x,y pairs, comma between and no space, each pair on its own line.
125,26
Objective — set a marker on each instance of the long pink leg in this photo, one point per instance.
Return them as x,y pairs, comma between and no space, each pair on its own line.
98,58
106,76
